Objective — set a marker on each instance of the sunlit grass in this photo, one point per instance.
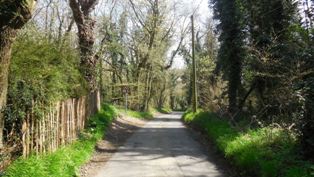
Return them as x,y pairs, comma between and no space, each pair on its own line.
164,110
139,115
136,114
66,161
146,114
265,152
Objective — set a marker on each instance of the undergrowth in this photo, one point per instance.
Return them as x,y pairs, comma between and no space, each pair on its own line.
164,110
137,114
140,115
67,160
264,152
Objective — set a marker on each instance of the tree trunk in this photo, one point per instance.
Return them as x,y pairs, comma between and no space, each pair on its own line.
161,100
307,128
146,89
6,40
88,61
233,87
16,14
307,140
85,25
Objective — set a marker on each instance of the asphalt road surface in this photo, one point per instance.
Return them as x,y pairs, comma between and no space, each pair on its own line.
164,147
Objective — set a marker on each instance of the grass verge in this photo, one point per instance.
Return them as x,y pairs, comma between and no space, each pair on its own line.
163,110
67,160
264,152
139,115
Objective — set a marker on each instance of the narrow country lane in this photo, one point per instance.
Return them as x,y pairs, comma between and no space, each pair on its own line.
162,148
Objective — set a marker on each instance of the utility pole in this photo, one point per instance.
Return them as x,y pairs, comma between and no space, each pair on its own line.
194,88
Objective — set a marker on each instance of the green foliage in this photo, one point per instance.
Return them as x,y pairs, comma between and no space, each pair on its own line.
231,52
140,115
101,120
142,57
164,110
41,73
51,73
206,51
266,152
67,160
137,114
274,78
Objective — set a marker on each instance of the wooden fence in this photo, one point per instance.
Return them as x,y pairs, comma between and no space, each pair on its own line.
59,126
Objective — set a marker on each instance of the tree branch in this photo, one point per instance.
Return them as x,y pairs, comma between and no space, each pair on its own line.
77,13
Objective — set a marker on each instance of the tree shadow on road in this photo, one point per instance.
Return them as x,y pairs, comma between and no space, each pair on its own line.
163,137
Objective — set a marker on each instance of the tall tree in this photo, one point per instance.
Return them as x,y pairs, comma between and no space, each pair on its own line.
231,52
307,51
151,41
13,15
268,23
85,24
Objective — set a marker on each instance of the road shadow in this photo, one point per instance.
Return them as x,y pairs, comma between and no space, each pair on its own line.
165,137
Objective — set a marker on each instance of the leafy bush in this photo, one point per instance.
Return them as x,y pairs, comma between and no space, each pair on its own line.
41,73
66,161
266,152
50,72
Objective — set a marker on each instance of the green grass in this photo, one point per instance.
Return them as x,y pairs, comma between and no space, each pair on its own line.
264,152
67,160
140,115
144,115
137,114
163,110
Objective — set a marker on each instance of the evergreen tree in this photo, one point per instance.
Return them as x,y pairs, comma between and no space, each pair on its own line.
231,52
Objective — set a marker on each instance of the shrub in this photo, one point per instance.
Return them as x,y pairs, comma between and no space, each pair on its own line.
41,73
